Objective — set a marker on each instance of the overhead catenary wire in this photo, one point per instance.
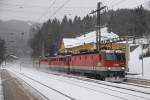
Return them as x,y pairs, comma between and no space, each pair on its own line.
57,10
117,3
32,5
22,5
25,10
20,11
8,5
122,1
55,7
141,4
47,9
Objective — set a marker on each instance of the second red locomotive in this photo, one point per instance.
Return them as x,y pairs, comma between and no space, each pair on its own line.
107,63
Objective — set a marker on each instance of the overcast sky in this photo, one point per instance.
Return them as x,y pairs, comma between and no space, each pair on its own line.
41,10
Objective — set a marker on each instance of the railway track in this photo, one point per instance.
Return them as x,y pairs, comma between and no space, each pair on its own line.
106,83
14,89
67,97
41,95
138,85
71,98
97,88
139,81
73,84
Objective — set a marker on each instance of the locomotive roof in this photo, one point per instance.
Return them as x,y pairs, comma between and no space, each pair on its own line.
88,38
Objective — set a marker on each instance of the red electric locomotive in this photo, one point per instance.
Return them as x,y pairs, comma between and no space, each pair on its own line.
104,64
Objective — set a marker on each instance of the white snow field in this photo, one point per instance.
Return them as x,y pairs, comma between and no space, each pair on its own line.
1,90
58,87
135,64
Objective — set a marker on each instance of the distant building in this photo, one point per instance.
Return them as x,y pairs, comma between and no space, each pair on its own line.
85,42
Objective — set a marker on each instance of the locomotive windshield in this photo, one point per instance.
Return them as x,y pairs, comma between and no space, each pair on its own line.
114,56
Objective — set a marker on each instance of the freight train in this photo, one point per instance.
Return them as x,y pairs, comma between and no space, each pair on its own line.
104,64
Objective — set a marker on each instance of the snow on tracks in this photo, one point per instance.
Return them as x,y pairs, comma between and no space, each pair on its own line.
77,89
46,91
1,89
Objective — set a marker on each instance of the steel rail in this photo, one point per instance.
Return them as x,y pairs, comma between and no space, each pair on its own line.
71,98
100,82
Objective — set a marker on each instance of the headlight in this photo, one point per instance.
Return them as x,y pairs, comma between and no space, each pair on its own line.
123,68
109,68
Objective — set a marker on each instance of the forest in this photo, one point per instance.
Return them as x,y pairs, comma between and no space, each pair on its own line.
123,22
2,50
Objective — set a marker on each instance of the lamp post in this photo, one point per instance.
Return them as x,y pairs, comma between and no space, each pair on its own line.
21,66
22,34
142,61
141,43
39,61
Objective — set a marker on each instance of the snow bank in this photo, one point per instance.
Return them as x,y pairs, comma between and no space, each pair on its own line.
135,64
77,89
1,90
134,61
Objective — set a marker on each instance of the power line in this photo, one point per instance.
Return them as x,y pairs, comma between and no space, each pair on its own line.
51,6
67,1
19,11
21,5
39,6
121,1
117,3
47,9
57,8
141,4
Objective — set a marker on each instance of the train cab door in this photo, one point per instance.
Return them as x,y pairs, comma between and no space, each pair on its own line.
97,61
68,60
100,60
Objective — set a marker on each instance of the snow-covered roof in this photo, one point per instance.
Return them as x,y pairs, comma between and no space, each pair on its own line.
142,41
88,38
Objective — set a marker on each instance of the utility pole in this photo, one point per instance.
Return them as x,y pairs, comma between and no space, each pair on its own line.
142,60
43,49
98,27
22,51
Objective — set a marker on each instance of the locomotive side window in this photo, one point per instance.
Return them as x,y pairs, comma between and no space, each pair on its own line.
109,56
120,56
114,56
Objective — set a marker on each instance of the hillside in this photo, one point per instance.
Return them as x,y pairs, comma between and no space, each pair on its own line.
11,31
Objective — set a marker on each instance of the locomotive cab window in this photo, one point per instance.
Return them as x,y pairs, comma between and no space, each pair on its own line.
120,56
114,56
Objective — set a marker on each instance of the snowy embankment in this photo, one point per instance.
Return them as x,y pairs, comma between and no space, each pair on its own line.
77,89
135,64
1,90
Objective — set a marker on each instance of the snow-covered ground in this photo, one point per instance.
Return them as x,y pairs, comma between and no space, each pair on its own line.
1,90
135,64
77,89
